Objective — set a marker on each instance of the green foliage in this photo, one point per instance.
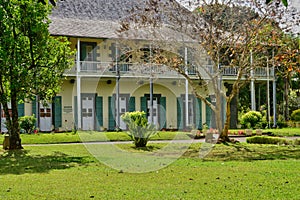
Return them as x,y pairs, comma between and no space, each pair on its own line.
139,130
27,123
251,119
294,98
30,57
296,115
267,140
284,2
282,124
297,142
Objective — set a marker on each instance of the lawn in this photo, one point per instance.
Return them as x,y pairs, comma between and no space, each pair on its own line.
89,136
284,132
235,171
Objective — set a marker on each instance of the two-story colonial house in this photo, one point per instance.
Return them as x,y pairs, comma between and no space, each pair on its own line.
113,73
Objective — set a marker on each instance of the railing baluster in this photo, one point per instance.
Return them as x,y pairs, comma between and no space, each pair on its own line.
137,69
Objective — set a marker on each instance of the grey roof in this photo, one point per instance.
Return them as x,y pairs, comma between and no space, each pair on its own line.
100,19
103,10
83,28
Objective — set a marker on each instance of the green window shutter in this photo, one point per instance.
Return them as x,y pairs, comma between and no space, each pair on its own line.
83,48
111,113
21,110
179,113
162,113
83,52
198,113
208,114
75,111
99,111
144,104
131,104
57,111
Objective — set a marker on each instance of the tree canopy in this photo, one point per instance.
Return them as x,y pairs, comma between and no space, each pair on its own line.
32,62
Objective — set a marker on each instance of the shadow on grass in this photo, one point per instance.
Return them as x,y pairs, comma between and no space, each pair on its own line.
149,148
246,152
20,162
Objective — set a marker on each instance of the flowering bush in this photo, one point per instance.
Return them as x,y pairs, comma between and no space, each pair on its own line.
197,134
241,132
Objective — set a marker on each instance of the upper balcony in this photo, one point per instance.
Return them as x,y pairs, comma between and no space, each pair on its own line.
137,70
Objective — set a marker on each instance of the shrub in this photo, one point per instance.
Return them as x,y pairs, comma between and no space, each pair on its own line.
251,119
297,142
296,115
282,124
267,140
139,130
27,123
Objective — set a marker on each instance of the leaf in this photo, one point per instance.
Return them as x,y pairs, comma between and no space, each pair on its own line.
285,3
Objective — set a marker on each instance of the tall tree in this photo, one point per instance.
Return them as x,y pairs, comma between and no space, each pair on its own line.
230,33
287,61
32,62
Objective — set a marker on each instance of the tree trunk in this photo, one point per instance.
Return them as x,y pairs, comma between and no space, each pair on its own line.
224,134
219,119
14,129
286,99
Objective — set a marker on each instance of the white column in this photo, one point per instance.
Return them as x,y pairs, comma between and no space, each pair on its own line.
186,89
117,89
274,93
268,92
78,86
253,105
151,88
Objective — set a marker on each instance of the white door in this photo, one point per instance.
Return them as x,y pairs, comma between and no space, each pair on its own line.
3,118
45,117
88,117
155,111
3,125
122,110
190,112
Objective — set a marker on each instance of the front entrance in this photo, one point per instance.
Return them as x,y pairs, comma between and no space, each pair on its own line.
45,117
3,118
154,119
88,112
122,110
190,112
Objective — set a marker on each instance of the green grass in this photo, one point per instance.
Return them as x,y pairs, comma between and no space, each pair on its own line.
89,136
277,132
237,171
284,131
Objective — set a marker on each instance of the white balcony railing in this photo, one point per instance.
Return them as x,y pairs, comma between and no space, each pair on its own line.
140,69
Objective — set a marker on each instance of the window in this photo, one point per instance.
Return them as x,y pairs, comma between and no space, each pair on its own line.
89,53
